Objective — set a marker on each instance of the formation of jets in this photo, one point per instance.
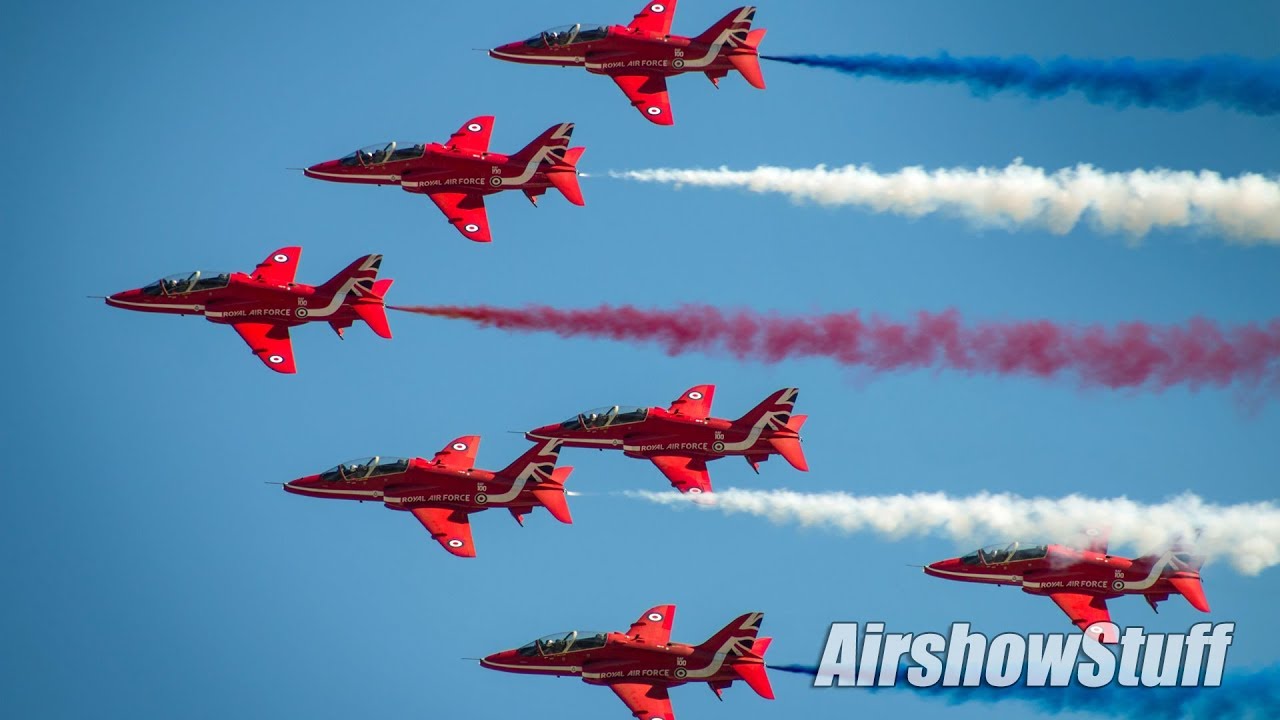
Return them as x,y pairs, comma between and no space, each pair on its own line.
641,664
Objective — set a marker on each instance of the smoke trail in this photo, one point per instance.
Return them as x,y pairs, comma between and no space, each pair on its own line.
1246,209
1245,695
1131,355
1247,535
1236,83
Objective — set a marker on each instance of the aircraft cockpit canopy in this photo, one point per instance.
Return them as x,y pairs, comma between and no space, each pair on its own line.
606,417
383,153
1013,552
568,35
365,468
561,643
188,282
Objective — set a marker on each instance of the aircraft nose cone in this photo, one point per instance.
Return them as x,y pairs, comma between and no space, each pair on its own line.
546,431
121,298
315,170
938,568
301,485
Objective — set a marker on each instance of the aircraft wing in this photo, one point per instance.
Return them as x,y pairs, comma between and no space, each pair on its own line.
649,94
655,17
1083,609
695,402
450,528
465,211
270,342
473,137
654,626
646,702
459,454
280,267
687,474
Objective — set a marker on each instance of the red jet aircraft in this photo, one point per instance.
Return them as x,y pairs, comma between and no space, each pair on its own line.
682,439
641,56
263,306
642,664
1080,581
444,491
459,174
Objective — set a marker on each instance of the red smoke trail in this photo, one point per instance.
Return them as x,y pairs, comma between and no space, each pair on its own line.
1198,352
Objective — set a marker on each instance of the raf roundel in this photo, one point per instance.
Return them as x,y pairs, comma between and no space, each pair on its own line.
1117,584
681,673
695,395
718,446
654,110
495,181
475,127
658,7
275,359
655,617
460,447
678,63
472,227
280,258
695,491
302,312
481,499
456,543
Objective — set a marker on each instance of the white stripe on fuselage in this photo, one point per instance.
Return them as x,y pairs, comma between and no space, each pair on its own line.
193,308
389,178
557,59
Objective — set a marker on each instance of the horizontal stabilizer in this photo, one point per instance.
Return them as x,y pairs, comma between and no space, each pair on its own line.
375,313
749,64
790,449
1193,590
564,176
753,671
551,495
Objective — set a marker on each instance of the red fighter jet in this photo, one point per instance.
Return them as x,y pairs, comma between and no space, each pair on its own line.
263,305
459,174
641,56
1081,581
642,664
682,439
444,491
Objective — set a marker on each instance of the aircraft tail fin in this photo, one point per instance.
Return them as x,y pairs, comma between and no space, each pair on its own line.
362,273
732,30
551,495
536,465
373,311
747,59
1190,587
564,176
751,668
737,638
548,149
774,412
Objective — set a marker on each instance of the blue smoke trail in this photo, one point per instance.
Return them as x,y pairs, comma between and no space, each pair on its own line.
1249,86
1253,695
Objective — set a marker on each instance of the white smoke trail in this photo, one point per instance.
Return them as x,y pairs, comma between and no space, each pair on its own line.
1247,536
1246,208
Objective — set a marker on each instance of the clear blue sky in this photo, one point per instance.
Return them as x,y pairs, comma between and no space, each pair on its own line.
151,572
